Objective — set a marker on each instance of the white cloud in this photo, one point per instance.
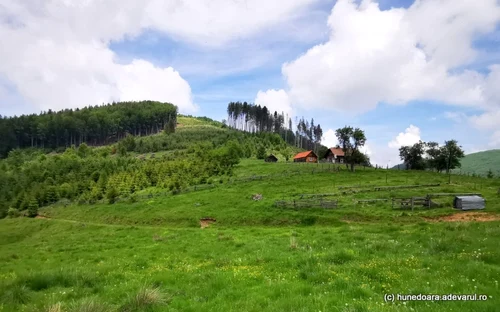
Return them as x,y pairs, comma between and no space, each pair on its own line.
329,139
409,137
495,139
56,53
56,58
487,121
275,100
395,56
455,116
216,22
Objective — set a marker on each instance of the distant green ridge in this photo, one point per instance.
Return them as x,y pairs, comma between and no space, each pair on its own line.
479,163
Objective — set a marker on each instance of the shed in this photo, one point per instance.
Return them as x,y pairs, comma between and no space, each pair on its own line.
469,202
308,156
271,158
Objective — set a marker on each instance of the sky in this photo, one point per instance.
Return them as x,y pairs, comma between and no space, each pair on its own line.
401,70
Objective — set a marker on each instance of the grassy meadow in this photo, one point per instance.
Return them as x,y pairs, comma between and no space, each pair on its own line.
152,255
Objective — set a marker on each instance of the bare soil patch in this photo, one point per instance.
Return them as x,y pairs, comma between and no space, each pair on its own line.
41,217
205,222
467,217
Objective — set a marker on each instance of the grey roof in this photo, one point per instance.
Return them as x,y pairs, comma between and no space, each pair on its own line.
471,198
469,202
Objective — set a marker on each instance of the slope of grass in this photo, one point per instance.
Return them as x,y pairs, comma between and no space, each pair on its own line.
481,162
152,255
232,204
344,268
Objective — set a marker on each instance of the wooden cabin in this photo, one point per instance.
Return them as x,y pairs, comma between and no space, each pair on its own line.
308,156
335,155
271,158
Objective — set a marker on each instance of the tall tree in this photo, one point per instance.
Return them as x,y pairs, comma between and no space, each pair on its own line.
452,153
413,156
351,140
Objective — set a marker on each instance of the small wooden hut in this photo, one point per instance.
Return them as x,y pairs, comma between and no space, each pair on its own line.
469,202
271,158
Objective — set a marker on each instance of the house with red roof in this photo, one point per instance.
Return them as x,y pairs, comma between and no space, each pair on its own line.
335,155
308,156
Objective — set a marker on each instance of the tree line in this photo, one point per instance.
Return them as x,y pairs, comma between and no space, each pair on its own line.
94,125
254,118
431,155
30,178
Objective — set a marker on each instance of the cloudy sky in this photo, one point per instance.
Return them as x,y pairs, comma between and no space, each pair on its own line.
401,70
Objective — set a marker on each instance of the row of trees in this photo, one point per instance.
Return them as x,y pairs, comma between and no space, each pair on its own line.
94,125
255,118
431,155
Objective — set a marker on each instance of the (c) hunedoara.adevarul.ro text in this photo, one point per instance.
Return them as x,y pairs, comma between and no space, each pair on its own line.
434,297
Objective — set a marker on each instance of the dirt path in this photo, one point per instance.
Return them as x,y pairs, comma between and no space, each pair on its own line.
466,217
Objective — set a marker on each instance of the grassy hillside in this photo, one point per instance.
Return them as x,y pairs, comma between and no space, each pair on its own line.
152,255
201,151
481,162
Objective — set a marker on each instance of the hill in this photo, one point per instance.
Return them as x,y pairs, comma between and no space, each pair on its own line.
477,163
197,151
189,219
152,255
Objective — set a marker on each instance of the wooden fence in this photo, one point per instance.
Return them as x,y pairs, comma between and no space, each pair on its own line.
307,203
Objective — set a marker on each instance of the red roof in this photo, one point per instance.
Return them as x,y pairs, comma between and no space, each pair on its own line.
337,151
303,155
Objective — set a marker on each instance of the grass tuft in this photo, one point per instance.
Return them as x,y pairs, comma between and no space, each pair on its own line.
89,305
55,308
16,294
146,297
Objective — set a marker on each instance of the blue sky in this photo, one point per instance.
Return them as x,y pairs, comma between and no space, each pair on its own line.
401,70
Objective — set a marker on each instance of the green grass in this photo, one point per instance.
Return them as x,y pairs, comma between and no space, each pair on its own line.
152,255
481,162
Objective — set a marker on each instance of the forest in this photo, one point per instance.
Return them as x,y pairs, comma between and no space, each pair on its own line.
203,152
255,118
94,125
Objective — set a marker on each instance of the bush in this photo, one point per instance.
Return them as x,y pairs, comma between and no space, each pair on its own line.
261,152
32,208
133,198
112,195
13,213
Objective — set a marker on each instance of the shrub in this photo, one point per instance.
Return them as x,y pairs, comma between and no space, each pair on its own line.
32,208
261,152
133,198
489,175
112,195
13,213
